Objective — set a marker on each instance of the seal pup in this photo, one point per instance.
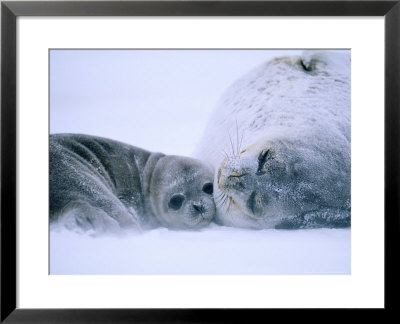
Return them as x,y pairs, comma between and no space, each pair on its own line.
100,184
279,140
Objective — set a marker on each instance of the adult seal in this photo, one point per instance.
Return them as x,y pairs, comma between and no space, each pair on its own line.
279,140
99,184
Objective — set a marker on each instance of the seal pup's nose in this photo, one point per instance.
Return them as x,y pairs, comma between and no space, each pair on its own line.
199,208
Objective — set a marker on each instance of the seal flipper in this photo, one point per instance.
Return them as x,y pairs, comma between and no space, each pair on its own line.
80,216
83,184
327,218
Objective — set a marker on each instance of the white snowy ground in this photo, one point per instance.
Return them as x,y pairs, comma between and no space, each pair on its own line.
213,250
161,101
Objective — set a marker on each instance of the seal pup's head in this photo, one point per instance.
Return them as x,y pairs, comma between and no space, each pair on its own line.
181,192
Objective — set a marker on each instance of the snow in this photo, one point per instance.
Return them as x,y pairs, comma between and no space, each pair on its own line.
213,250
161,101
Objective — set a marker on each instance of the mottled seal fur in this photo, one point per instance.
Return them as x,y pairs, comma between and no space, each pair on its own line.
279,140
104,185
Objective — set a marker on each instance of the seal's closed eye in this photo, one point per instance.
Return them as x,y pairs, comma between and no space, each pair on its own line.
264,156
176,201
208,188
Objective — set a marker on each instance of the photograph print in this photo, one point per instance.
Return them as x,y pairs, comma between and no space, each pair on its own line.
200,161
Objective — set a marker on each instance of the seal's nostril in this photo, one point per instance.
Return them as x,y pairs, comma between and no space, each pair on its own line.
199,208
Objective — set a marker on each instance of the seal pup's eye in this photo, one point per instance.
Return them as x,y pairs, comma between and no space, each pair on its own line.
176,201
264,156
208,188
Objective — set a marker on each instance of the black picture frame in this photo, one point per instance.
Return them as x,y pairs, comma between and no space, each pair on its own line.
10,10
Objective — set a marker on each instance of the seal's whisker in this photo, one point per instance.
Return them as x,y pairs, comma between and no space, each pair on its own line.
237,138
232,147
220,198
223,200
226,200
241,142
230,204
226,154
219,195
223,205
220,203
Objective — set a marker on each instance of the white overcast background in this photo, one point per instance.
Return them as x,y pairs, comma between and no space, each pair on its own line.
160,100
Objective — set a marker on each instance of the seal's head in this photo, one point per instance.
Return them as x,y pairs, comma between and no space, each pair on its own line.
245,187
274,179
181,192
